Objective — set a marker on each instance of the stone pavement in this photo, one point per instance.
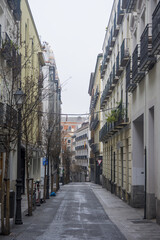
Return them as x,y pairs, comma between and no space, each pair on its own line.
128,220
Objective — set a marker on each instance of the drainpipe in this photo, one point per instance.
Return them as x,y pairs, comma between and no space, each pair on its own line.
111,170
145,184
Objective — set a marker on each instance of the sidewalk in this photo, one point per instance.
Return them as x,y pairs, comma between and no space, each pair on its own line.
129,220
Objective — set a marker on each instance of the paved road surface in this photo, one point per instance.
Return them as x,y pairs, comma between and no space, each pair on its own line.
74,214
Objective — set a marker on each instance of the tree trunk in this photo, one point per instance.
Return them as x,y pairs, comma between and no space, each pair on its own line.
2,208
45,181
6,190
57,178
7,232
52,182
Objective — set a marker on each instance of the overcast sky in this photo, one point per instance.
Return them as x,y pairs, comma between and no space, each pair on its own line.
75,29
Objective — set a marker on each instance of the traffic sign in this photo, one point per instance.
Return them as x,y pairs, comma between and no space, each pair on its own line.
99,162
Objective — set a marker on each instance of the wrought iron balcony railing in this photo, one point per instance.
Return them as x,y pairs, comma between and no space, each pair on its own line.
129,85
120,12
147,60
113,39
95,148
95,97
17,11
105,94
109,46
156,30
115,27
81,157
91,141
119,69
137,75
12,4
7,48
111,128
103,67
124,52
81,137
129,5
8,116
95,122
81,147
103,133
112,85
124,4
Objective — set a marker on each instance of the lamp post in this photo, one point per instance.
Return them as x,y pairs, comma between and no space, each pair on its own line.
19,99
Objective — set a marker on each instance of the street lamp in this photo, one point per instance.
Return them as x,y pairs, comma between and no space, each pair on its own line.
19,99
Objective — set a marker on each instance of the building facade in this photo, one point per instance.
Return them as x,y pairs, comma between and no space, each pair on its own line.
142,83
51,104
31,82
9,78
96,154
82,151
130,104
115,105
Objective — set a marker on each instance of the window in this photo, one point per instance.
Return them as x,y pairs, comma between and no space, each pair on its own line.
69,141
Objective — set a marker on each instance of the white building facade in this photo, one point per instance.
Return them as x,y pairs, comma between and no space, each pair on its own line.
143,84
131,64
82,149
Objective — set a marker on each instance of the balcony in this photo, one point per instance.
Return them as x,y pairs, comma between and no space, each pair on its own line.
130,87
137,75
95,148
105,94
122,119
109,47
120,13
91,141
81,137
112,85
8,116
103,67
7,48
119,69
81,147
116,120
129,5
147,60
103,133
115,78
113,39
95,122
107,57
81,157
124,52
95,97
17,11
156,30
12,4
115,27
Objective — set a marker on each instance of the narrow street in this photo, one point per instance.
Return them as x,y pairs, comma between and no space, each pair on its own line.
75,213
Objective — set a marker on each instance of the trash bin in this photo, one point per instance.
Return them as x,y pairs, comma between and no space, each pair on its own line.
11,203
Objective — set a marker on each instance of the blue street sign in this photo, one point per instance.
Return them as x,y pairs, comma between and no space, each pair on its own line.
45,161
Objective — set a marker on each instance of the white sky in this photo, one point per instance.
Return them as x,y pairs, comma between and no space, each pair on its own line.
75,29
